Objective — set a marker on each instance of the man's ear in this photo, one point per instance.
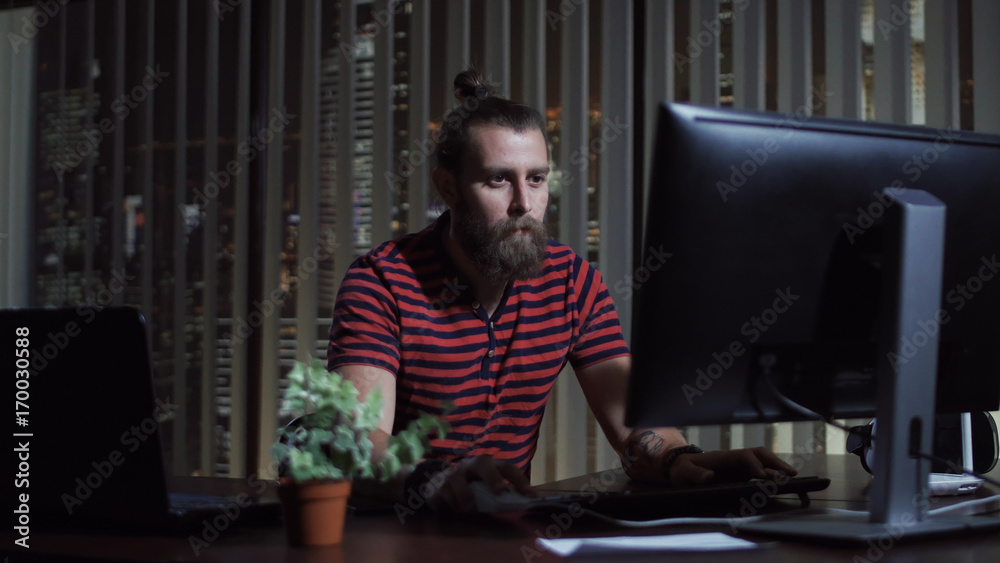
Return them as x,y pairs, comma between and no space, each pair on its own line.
446,184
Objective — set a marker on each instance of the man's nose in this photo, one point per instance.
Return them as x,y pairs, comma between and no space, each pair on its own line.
521,202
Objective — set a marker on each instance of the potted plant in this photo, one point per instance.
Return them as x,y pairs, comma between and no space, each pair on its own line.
327,447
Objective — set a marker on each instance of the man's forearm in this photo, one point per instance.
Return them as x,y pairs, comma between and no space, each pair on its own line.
645,449
389,490
400,487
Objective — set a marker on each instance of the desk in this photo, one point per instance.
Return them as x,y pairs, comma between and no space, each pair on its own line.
506,538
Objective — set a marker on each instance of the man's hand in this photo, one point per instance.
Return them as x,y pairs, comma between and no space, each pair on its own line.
727,466
454,493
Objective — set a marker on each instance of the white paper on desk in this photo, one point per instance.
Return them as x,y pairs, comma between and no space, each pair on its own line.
709,541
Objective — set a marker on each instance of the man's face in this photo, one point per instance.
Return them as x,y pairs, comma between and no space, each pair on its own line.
503,191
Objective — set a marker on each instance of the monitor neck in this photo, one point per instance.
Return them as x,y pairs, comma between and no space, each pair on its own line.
913,261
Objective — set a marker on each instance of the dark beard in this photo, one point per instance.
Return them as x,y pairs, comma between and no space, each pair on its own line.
496,252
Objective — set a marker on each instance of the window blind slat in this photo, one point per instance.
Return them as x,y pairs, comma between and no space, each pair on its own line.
210,301
383,148
659,77
270,312
892,79
571,407
496,52
749,55
703,52
179,175
843,59
307,295
418,183
941,62
533,56
457,45
985,65
794,56
238,382
344,253
615,148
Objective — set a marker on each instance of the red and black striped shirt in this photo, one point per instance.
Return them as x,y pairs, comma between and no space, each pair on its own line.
405,308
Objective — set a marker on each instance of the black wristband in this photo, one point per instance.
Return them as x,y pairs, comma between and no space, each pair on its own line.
675,453
421,475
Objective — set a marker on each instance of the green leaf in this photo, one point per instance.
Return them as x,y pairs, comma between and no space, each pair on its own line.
333,442
343,439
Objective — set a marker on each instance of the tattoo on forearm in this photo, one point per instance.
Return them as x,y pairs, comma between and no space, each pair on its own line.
650,442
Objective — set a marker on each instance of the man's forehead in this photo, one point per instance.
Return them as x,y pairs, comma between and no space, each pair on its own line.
494,143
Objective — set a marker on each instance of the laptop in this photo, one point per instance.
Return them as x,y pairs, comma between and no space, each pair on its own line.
87,426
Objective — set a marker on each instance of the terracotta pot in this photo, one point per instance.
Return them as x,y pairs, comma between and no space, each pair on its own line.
314,511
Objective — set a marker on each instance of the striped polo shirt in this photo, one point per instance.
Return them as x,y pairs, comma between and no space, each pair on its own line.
405,308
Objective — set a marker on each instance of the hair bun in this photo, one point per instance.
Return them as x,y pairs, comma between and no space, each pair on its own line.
472,84
479,104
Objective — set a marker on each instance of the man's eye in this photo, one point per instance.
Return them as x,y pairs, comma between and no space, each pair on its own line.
538,178
498,179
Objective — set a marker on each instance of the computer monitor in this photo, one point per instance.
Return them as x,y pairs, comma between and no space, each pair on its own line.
819,262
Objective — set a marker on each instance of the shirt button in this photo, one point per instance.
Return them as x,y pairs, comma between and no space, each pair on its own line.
490,354
475,304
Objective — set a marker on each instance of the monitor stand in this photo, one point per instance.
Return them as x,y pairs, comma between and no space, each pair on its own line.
913,259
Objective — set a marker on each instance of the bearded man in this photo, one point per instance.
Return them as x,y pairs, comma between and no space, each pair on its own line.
481,311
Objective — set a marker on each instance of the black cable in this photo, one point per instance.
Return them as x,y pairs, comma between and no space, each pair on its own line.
796,407
805,411
809,413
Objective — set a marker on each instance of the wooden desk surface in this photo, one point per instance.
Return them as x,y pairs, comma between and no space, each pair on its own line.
505,538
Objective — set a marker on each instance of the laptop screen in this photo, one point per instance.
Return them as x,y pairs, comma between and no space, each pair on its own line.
85,437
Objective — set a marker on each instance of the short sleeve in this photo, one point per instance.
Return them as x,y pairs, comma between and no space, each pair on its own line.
365,327
599,336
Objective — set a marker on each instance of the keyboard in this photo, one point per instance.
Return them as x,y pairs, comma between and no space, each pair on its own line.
740,499
185,502
195,507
